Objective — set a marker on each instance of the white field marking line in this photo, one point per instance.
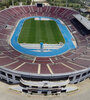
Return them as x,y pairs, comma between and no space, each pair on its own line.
77,65
10,64
37,46
49,69
68,67
39,68
19,66
34,60
51,60
84,59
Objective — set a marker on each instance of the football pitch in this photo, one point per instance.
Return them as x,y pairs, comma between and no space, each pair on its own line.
36,31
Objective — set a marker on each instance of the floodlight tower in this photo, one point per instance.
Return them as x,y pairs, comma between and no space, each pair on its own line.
32,2
12,2
66,3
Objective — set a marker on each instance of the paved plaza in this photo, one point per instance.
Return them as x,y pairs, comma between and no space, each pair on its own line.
82,94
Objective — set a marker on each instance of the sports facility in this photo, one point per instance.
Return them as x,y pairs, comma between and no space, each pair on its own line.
44,49
36,31
54,39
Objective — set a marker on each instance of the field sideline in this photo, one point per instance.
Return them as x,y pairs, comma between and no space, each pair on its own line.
36,31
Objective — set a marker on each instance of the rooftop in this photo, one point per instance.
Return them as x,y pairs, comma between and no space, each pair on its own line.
84,21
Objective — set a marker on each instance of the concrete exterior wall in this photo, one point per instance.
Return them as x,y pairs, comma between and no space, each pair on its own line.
14,77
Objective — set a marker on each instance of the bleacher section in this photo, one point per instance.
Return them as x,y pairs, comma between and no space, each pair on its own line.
13,64
81,28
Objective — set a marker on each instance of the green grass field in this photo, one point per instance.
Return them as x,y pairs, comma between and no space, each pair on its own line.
36,31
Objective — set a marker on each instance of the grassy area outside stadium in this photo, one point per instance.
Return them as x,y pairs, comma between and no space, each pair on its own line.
36,31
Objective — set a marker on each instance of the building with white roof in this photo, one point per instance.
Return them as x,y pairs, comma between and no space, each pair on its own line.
39,0
83,20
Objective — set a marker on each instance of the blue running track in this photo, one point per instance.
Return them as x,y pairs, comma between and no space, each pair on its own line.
65,32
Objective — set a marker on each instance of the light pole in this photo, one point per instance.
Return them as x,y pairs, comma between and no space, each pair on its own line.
66,3
12,2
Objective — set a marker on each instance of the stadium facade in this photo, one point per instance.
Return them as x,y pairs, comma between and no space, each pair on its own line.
16,67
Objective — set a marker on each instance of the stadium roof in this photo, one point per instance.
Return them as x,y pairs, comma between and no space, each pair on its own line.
39,0
84,21
83,10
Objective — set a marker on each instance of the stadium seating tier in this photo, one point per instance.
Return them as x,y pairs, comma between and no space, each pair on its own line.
72,61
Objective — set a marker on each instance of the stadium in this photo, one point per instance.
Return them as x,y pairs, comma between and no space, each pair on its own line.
64,56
